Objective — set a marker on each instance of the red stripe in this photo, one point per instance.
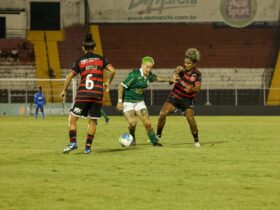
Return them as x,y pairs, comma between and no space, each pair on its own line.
93,79
89,101
85,97
90,61
90,91
175,95
92,72
184,95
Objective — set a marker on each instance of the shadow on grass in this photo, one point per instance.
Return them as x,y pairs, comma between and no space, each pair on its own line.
124,149
202,143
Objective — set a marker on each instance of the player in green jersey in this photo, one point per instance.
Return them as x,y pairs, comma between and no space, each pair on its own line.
131,100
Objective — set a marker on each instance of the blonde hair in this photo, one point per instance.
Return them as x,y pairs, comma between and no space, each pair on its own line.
193,54
147,60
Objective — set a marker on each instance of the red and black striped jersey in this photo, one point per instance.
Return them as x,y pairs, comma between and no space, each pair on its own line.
90,67
186,79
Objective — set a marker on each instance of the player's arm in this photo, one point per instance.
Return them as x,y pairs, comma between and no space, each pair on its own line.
67,81
171,80
35,98
120,97
112,72
197,87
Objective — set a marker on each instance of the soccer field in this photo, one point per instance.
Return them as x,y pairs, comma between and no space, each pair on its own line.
237,166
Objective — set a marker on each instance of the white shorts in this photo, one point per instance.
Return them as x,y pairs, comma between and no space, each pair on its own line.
128,106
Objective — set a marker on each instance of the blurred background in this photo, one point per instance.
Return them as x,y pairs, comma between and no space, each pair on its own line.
239,42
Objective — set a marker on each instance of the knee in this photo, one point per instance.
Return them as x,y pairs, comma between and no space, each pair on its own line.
148,124
190,118
163,114
132,123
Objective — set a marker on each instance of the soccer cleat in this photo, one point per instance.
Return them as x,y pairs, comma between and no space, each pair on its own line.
87,150
197,144
133,143
70,147
107,120
158,137
157,144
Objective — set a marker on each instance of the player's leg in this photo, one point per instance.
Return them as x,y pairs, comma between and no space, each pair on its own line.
42,111
144,117
72,125
78,110
90,134
103,114
189,114
36,111
132,122
166,109
93,112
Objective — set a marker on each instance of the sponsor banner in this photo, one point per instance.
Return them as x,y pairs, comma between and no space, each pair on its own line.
237,13
29,109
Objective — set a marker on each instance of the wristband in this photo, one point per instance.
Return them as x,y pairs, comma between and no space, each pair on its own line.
120,100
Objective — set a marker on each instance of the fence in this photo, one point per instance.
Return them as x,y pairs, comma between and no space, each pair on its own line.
23,90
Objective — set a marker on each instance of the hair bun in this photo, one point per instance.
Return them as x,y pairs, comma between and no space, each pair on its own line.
88,37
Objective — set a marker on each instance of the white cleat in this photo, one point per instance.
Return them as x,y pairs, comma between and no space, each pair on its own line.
197,144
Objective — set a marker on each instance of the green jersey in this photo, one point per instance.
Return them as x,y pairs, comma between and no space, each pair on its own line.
135,84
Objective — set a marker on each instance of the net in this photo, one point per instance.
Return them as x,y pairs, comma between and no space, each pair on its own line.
23,90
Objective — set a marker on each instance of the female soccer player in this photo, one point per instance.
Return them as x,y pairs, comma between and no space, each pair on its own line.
131,101
40,102
89,97
182,96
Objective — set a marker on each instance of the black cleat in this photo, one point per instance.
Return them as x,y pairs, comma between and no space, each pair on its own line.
156,144
133,142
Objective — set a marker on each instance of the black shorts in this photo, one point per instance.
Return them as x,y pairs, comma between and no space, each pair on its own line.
182,104
86,109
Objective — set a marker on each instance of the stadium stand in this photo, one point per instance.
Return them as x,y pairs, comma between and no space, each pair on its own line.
70,49
24,48
221,47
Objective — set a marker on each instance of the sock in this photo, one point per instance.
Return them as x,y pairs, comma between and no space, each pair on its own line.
195,136
132,131
152,136
72,136
89,141
159,132
43,115
104,115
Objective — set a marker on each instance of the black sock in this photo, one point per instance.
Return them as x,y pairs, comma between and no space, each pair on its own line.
73,136
159,131
132,131
195,136
89,141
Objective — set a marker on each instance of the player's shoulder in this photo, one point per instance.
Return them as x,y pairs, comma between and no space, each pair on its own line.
135,71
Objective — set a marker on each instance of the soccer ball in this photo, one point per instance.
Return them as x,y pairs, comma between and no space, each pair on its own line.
125,140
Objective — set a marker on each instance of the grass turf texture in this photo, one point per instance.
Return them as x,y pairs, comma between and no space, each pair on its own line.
237,166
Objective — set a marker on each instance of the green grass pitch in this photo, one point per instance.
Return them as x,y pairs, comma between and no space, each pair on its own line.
237,167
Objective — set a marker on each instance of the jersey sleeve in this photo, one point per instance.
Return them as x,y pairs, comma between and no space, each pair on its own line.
106,63
75,67
199,77
128,81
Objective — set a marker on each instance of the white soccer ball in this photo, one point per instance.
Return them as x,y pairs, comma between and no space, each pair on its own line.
125,140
